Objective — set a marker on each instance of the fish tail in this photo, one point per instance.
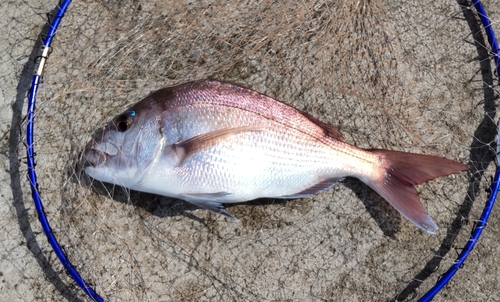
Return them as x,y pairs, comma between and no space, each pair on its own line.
400,172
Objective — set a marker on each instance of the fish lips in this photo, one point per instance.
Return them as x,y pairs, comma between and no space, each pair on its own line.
99,152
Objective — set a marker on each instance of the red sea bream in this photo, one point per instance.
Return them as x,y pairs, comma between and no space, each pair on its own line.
209,143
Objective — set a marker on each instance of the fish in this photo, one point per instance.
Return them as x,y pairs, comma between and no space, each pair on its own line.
211,143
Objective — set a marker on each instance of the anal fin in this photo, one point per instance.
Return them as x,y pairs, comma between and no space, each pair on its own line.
205,201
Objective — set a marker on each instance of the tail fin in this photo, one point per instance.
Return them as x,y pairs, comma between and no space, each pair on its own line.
403,171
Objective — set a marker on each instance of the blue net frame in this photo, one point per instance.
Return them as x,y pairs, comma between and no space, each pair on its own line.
42,217
71,270
481,223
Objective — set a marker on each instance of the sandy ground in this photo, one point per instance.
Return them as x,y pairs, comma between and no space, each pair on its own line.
410,76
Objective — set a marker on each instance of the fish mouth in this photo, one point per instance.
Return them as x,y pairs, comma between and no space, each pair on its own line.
98,153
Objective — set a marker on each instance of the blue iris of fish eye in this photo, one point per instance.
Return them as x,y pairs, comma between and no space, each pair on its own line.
131,112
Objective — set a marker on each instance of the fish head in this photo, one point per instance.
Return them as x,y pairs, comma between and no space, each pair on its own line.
123,150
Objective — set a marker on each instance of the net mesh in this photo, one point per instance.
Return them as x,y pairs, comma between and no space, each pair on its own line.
401,76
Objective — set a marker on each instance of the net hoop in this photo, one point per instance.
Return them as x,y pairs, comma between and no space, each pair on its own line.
54,23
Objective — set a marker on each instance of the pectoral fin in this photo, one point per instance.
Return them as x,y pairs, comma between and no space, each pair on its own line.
207,140
205,201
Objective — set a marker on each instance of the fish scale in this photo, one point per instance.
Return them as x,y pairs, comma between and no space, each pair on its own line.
226,157
210,142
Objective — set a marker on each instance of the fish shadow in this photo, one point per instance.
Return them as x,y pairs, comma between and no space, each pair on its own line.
387,217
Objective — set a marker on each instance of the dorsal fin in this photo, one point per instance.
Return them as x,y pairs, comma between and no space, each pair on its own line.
239,97
328,129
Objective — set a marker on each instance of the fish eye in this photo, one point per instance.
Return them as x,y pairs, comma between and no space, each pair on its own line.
122,126
122,123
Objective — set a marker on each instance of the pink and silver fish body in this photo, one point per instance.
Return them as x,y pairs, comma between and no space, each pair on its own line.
209,142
